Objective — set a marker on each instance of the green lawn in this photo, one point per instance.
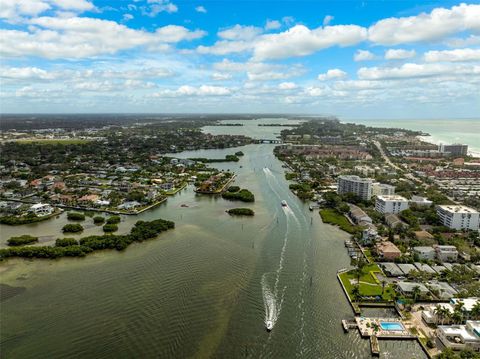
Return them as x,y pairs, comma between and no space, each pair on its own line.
370,285
332,216
368,254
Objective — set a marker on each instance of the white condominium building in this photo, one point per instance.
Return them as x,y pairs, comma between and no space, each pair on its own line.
362,187
391,204
458,217
382,189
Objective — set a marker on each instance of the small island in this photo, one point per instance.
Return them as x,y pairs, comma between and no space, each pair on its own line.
69,247
72,228
22,240
228,158
75,216
235,193
241,212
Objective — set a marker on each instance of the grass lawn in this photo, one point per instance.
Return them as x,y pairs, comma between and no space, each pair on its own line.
332,216
70,141
369,285
368,253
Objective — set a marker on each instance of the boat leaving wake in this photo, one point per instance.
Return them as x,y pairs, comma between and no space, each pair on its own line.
270,304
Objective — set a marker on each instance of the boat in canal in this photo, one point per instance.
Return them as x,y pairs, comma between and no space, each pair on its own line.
269,325
284,203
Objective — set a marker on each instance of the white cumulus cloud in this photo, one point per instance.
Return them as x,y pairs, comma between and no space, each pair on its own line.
272,25
287,86
363,55
240,32
187,90
332,74
412,70
399,54
79,37
437,24
301,41
457,55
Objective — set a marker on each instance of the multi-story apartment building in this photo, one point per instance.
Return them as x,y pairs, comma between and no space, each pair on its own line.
458,217
382,189
391,204
456,149
362,187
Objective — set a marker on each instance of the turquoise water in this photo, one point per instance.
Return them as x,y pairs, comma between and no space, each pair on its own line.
465,131
391,326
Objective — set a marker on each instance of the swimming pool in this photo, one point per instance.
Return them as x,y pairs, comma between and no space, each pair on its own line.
395,326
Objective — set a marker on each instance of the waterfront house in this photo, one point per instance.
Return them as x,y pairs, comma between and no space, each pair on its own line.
358,215
129,205
391,269
41,209
388,251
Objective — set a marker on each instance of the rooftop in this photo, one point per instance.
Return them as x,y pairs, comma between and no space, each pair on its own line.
457,209
458,330
392,197
355,178
468,303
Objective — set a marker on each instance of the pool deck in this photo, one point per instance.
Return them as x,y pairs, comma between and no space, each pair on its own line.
369,327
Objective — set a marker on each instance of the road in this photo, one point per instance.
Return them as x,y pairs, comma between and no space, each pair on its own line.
390,163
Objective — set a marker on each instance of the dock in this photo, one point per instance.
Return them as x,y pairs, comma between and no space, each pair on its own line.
348,324
374,346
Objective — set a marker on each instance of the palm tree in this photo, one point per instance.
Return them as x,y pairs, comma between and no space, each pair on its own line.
457,316
356,292
439,312
475,312
416,292
460,308
383,286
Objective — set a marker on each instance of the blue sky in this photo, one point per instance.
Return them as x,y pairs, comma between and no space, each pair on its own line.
354,59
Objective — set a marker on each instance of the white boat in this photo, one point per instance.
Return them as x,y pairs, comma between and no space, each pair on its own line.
269,325
284,203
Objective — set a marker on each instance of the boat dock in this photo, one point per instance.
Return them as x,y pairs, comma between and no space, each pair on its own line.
374,346
349,324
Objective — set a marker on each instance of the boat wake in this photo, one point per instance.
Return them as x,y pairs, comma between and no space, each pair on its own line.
270,304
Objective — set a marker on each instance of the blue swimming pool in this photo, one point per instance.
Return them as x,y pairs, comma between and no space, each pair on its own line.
392,326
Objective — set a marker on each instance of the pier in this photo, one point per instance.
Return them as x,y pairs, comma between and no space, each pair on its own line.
376,329
374,346
349,324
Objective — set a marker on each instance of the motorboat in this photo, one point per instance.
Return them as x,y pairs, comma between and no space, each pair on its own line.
284,203
269,325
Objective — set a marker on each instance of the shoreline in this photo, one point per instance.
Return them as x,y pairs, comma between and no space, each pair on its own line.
431,139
